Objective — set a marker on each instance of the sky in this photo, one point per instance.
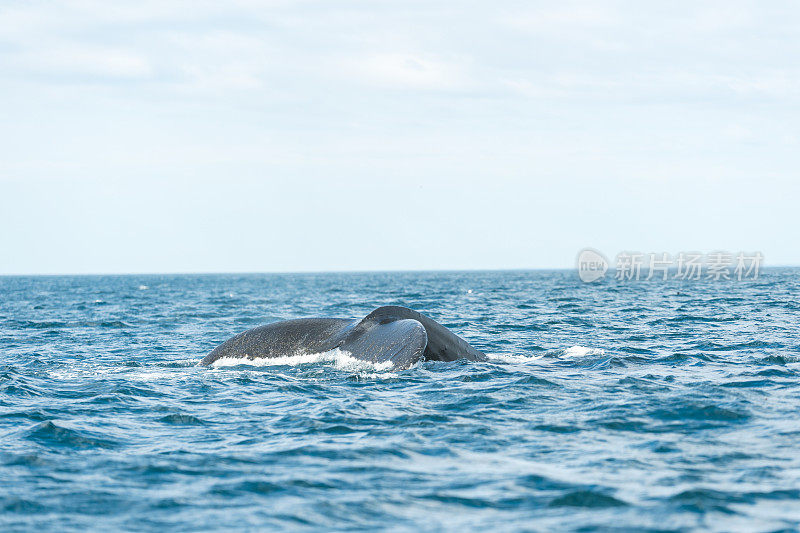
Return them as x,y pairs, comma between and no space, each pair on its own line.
263,136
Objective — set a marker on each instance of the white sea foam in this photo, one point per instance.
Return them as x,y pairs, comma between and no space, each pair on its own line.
565,353
512,358
581,351
104,372
341,360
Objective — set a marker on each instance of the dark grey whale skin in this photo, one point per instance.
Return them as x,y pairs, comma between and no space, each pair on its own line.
392,333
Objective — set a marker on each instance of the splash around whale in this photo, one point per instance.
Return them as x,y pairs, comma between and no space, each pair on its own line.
390,334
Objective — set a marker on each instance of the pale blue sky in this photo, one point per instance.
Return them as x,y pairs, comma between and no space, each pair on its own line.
199,136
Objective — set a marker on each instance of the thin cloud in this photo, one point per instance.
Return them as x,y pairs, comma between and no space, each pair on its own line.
404,70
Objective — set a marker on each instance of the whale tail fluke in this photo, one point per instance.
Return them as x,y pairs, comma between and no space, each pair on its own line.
391,333
443,344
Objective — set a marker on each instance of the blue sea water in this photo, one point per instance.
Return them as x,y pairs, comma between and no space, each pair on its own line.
614,405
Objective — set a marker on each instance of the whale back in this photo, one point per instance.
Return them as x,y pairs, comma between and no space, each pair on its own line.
290,337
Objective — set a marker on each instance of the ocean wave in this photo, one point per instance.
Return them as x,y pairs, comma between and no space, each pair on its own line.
49,433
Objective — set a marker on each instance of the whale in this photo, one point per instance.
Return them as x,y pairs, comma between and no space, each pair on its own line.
393,334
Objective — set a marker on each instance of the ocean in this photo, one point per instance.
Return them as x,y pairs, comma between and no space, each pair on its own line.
614,405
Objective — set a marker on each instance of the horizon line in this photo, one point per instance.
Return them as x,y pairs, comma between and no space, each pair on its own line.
282,272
